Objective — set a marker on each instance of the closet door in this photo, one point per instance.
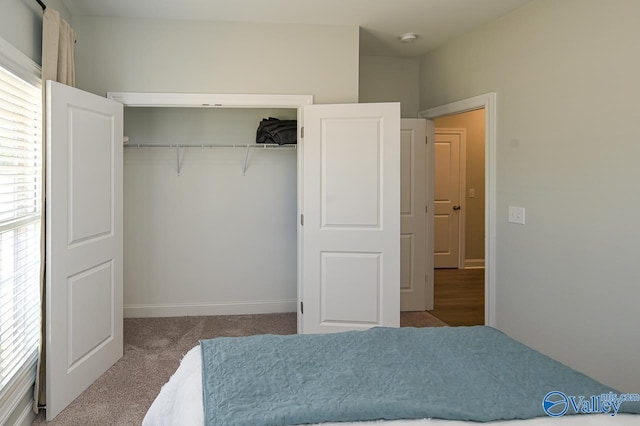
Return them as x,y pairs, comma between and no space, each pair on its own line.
84,241
350,269
414,275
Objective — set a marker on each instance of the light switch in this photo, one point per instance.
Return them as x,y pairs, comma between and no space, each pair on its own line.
516,215
472,193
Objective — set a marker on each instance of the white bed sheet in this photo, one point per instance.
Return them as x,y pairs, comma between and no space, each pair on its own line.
179,403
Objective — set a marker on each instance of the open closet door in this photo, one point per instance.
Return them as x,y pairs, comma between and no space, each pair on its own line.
414,275
83,242
350,269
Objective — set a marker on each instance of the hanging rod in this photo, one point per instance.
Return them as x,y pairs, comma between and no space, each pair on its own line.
42,5
178,147
175,145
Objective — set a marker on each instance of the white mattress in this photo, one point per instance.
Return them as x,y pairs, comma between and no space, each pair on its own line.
180,403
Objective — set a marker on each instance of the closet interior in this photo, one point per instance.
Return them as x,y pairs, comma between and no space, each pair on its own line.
209,215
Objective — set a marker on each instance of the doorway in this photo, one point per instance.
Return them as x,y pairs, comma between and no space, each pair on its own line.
464,294
459,218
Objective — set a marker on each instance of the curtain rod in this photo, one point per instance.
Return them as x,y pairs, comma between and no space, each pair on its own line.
44,6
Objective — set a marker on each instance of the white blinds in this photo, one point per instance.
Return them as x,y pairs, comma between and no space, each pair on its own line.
20,215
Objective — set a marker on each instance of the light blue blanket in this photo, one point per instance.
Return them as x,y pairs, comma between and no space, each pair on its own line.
462,373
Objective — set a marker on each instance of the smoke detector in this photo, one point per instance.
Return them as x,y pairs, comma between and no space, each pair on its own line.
408,37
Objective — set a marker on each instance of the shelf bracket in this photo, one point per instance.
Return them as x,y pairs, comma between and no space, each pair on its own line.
178,164
246,160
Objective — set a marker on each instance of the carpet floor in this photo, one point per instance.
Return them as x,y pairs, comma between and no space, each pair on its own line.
153,348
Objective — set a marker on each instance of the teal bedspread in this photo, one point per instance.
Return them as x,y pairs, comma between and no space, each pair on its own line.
462,373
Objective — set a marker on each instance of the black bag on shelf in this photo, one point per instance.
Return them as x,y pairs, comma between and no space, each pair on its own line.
281,132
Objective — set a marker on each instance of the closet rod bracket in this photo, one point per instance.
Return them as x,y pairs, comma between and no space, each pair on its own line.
246,160
178,164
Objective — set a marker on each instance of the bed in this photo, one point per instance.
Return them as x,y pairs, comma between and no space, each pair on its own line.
449,376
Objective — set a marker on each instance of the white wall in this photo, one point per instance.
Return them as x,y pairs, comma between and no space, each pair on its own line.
223,57
211,241
566,77
391,79
21,24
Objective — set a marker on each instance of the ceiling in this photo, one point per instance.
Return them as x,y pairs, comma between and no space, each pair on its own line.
381,21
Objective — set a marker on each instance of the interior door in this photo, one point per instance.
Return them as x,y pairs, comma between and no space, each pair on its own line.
429,189
350,269
447,197
84,241
413,215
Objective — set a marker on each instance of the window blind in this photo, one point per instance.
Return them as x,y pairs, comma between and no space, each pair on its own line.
20,216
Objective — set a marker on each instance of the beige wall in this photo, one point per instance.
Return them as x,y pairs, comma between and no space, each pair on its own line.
473,122
566,77
21,24
391,79
117,54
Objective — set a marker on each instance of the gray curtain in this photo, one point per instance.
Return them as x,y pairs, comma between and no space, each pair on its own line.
58,44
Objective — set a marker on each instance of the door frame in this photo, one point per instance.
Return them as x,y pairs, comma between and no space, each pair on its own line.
216,100
488,102
462,191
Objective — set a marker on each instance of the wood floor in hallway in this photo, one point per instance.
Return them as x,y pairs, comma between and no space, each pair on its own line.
459,296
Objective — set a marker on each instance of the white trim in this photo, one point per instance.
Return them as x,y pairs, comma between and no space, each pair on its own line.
16,392
488,102
474,264
209,100
193,309
27,416
20,64
431,138
299,211
462,226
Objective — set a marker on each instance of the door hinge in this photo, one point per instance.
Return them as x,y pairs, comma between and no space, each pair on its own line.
302,132
426,139
302,307
426,209
302,220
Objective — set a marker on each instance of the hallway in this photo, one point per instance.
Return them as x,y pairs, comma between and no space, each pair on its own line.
459,296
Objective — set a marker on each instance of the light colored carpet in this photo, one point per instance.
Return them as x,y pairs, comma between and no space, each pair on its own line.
153,348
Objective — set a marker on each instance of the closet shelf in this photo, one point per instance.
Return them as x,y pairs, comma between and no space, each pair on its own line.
255,145
179,146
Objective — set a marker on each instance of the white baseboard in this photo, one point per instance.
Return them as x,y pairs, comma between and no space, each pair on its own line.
27,416
193,309
473,263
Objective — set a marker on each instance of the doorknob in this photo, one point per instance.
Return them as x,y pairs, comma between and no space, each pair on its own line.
456,208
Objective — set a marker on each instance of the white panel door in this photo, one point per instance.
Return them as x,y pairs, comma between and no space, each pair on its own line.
84,241
350,269
413,215
448,183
